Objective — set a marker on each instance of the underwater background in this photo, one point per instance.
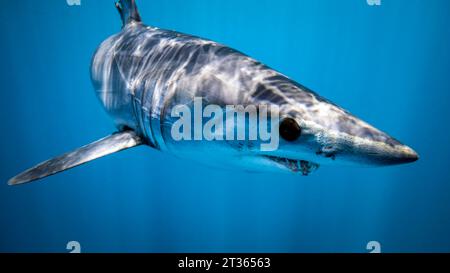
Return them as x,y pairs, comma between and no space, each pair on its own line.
387,64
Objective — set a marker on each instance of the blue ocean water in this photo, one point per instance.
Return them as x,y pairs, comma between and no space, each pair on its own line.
387,64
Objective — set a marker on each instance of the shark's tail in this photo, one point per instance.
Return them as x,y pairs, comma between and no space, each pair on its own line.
128,11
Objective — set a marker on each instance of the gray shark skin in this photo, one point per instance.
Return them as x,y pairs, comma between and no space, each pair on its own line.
142,72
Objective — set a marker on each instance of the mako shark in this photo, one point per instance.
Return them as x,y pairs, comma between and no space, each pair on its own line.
142,72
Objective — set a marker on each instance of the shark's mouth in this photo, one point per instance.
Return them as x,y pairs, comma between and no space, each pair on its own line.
298,166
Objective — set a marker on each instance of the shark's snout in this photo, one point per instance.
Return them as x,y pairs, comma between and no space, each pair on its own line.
407,155
343,138
375,147
411,157
398,154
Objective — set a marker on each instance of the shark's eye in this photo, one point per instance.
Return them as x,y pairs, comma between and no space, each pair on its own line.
289,129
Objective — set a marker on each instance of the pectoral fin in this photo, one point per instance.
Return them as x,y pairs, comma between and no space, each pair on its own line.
105,146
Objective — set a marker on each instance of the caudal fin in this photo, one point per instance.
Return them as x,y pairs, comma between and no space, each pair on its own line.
105,146
128,11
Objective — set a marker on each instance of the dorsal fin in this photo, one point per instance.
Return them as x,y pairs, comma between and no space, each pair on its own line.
128,11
